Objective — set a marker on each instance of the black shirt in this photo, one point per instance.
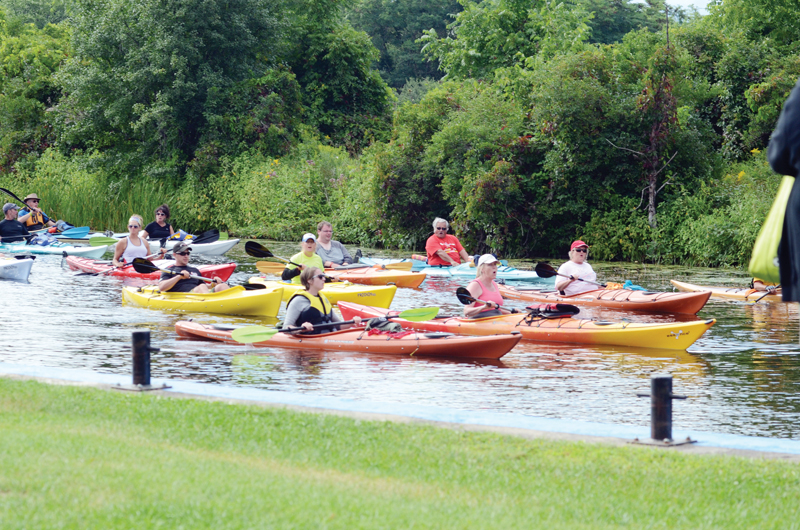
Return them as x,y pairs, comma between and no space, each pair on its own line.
12,231
184,285
156,232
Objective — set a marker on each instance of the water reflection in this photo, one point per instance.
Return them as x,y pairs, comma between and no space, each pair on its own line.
742,376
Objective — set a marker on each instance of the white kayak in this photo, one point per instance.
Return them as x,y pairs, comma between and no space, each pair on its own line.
217,248
15,269
55,248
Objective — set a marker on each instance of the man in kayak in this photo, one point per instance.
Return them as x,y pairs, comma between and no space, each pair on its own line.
332,252
575,270
11,230
183,283
443,249
31,216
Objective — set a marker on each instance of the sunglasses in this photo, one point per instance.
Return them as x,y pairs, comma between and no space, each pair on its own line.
133,226
33,200
182,253
440,228
320,276
584,250
160,213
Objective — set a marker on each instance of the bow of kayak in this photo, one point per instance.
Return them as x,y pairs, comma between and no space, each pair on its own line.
15,269
379,276
233,301
731,293
670,336
358,340
376,295
624,299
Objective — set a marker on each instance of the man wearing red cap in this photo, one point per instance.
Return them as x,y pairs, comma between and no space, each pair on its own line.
576,269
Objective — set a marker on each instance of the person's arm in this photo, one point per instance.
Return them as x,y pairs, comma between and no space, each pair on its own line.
293,310
167,284
446,257
758,285
119,248
323,255
289,273
464,256
23,217
348,259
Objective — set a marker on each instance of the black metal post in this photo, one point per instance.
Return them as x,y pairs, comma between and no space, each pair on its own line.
141,357
661,407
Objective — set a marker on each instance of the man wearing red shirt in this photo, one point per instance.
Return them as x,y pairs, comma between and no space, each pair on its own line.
443,249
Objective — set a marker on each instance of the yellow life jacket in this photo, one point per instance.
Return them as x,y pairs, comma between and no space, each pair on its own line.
320,312
35,221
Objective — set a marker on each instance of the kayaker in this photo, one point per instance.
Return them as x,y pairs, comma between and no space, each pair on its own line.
763,286
160,228
31,216
11,230
133,246
182,283
443,249
310,306
332,252
576,268
483,287
307,257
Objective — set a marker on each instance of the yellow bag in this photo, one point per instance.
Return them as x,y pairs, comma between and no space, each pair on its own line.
764,261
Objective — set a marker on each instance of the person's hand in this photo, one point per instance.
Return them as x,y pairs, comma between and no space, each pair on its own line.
514,311
771,288
185,274
307,326
329,264
357,321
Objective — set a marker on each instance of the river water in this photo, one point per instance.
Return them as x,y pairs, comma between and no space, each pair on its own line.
742,376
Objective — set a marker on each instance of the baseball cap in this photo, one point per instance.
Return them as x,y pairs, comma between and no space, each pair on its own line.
181,247
9,206
308,236
487,259
578,243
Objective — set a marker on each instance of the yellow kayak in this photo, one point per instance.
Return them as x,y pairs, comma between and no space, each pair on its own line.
734,293
373,295
233,301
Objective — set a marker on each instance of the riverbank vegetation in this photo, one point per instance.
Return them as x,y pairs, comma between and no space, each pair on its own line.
78,457
639,128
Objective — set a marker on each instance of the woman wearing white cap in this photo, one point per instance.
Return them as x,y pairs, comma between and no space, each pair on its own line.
307,257
576,269
484,288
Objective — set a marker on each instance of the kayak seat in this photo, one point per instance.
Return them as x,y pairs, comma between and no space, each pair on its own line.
440,335
225,327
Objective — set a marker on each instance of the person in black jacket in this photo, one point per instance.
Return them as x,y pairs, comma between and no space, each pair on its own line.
11,230
784,158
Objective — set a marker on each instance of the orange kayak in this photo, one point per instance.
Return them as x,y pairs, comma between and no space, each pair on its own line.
670,336
378,275
626,299
78,263
357,340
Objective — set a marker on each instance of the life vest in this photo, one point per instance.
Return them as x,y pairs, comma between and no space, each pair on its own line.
35,221
320,312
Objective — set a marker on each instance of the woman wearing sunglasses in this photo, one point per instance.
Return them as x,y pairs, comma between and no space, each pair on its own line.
133,246
310,307
576,269
160,228
307,257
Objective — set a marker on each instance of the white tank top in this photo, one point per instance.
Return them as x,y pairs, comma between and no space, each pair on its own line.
132,251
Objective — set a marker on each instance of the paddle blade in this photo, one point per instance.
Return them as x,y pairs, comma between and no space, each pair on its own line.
543,270
223,236
250,334
257,250
102,241
209,236
270,267
464,297
419,314
143,266
401,266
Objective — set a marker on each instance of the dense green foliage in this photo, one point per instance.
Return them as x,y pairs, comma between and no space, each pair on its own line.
76,457
555,120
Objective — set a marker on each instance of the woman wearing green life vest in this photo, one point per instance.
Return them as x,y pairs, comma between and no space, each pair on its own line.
307,257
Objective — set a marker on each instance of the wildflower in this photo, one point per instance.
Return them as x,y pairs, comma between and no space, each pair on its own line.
755,151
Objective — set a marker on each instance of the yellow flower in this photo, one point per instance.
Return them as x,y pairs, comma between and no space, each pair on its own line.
741,174
755,151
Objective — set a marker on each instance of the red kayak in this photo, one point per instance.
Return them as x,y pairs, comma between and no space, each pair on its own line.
76,263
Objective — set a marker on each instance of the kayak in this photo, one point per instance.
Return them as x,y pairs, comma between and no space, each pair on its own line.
377,276
233,301
15,269
465,270
76,263
669,336
734,293
358,340
55,248
376,295
626,299
217,248
416,264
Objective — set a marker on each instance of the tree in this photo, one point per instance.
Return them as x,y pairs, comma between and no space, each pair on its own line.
145,73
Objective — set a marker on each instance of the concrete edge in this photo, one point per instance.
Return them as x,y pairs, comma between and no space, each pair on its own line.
532,434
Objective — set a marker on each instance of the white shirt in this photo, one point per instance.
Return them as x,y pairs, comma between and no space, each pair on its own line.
583,271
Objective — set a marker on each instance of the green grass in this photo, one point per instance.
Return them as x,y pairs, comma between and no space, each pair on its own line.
73,457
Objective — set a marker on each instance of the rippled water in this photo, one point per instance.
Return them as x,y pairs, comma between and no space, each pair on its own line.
742,376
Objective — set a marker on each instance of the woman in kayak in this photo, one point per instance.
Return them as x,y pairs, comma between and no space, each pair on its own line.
575,270
332,252
307,257
310,307
485,289
160,228
133,246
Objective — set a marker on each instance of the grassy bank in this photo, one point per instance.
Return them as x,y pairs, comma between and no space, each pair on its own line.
84,458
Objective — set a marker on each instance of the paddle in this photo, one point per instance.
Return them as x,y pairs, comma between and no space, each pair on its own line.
260,251
75,232
774,291
209,236
143,266
163,242
249,334
466,298
102,241
20,201
543,270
